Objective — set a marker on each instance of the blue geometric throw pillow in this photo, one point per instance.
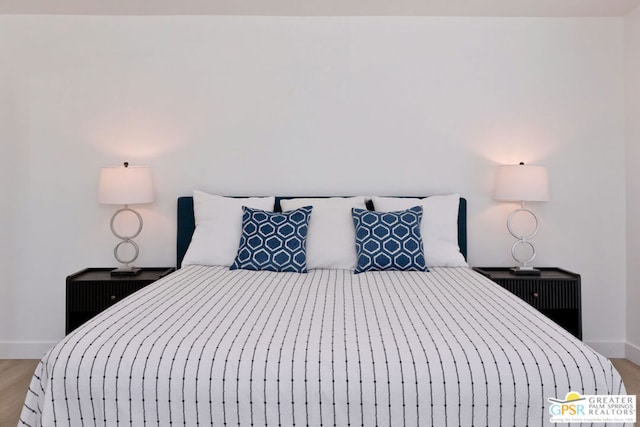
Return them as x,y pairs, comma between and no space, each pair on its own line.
273,241
389,240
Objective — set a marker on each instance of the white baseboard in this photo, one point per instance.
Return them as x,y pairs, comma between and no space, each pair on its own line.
632,353
24,349
608,348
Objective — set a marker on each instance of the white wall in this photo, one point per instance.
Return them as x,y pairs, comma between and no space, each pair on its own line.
9,208
267,105
632,69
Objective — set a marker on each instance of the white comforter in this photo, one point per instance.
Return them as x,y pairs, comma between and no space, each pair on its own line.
209,346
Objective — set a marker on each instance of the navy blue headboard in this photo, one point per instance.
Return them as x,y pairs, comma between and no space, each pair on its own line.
187,224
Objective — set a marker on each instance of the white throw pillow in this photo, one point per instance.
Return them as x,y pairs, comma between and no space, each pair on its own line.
439,226
219,227
331,239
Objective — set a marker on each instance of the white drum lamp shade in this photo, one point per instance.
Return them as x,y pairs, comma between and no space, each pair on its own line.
522,183
125,185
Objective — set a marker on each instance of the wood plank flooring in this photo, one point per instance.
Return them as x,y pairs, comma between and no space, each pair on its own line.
14,382
16,374
630,373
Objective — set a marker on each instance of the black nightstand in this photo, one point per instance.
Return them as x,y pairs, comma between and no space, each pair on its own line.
92,290
555,293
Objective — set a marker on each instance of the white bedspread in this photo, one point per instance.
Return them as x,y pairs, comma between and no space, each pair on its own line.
209,346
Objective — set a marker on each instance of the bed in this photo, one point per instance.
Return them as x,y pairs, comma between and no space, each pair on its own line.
209,345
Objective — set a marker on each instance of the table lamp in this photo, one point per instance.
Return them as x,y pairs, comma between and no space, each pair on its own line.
125,185
522,183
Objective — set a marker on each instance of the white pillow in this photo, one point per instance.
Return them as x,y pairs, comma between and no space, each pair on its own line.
331,239
439,226
218,230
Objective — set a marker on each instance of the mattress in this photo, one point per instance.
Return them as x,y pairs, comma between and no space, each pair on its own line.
210,346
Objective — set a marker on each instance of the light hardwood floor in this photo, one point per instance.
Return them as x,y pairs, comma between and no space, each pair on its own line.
630,373
16,374
14,382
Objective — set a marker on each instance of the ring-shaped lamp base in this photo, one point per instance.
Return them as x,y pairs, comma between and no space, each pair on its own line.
126,269
524,269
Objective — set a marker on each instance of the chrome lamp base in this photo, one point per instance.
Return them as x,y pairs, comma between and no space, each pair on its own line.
126,269
524,269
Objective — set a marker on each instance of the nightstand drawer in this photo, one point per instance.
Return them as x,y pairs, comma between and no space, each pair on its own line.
545,294
98,296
